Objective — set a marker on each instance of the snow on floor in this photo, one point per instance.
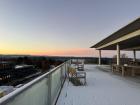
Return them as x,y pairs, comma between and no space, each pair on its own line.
103,88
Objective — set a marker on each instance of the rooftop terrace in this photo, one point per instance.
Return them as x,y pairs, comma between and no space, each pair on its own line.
103,88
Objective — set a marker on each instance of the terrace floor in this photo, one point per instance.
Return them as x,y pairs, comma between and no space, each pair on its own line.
103,88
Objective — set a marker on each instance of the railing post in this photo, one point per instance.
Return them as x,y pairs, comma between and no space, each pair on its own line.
49,89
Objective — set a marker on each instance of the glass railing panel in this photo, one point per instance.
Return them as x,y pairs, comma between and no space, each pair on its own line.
63,72
56,84
35,95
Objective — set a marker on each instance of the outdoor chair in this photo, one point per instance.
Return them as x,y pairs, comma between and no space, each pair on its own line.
73,73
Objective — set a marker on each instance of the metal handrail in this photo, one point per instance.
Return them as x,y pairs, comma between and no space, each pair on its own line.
18,91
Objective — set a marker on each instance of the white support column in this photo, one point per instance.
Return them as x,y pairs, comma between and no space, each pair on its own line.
99,57
118,54
134,52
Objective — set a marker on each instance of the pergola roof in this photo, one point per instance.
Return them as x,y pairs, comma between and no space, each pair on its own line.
128,38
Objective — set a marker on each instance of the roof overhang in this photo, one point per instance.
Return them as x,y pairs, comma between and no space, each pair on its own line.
127,37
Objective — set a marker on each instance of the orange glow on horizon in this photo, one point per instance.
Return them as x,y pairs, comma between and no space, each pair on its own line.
80,52
70,52
58,52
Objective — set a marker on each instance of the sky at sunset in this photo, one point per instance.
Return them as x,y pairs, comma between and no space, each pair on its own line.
61,27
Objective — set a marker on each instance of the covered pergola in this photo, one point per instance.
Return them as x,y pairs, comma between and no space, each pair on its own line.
126,38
